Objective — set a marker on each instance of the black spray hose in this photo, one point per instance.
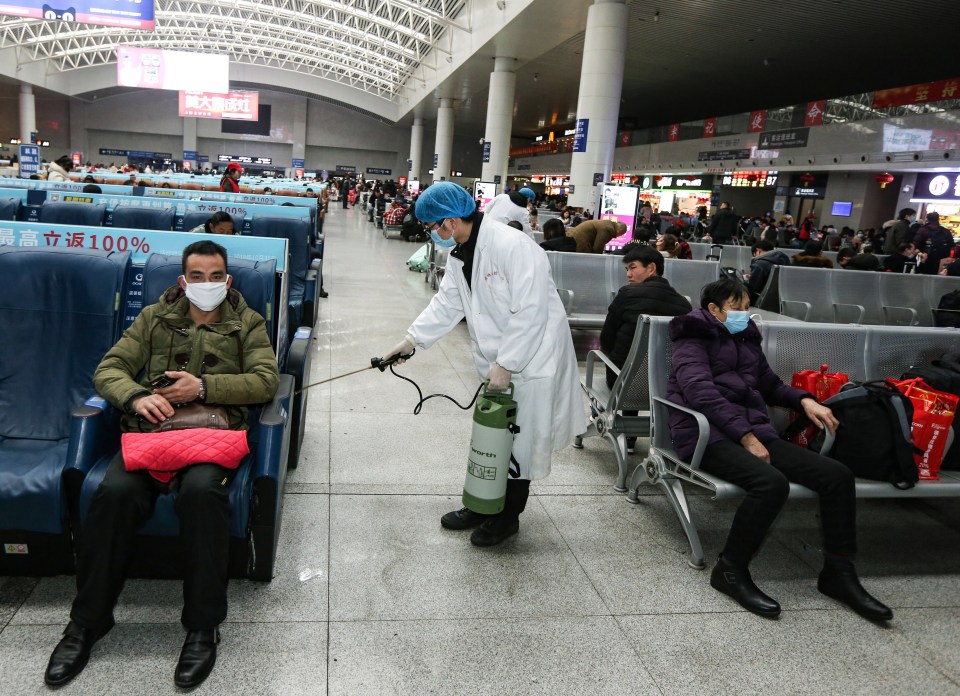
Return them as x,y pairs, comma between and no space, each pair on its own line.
382,365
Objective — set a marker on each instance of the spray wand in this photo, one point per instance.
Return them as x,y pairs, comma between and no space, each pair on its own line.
382,365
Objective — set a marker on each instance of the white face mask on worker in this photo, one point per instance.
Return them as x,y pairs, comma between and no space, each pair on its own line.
207,296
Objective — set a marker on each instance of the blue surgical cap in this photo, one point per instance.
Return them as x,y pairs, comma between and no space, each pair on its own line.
443,200
528,193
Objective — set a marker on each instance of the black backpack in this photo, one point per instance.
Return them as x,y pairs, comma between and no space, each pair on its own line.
875,438
951,317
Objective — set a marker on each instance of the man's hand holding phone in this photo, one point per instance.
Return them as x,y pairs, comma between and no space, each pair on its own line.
182,389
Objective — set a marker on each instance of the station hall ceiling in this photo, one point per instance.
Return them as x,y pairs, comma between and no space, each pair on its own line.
686,59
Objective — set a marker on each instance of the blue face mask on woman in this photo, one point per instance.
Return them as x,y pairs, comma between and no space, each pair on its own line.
736,321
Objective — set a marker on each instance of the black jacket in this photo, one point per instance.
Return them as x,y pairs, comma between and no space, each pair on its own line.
760,269
653,296
863,262
724,225
559,244
937,242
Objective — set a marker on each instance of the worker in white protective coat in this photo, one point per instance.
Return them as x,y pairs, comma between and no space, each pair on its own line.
511,207
499,279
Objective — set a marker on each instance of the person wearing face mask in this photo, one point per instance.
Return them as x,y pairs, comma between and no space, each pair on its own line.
500,282
897,232
719,369
211,348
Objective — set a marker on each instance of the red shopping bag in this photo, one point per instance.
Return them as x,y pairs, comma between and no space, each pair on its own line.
821,384
933,413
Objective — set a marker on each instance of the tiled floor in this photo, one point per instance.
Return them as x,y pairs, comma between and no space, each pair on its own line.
594,595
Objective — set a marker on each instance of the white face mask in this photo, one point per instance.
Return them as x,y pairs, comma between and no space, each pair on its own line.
206,296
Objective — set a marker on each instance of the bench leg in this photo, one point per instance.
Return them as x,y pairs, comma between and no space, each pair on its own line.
619,443
678,501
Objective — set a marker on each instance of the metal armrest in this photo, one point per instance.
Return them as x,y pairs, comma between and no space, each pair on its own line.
838,305
885,310
703,425
807,307
591,366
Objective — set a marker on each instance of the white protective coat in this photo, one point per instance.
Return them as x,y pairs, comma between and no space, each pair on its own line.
516,319
502,209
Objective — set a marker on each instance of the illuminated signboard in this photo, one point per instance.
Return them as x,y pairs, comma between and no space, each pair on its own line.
245,159
157,68
239,106
131,14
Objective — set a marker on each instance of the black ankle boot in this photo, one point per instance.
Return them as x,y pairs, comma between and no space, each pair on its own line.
839,581
735,582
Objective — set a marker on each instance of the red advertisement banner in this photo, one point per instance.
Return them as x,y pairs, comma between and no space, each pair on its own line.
917,94
758,121
674,133
239,106
709,127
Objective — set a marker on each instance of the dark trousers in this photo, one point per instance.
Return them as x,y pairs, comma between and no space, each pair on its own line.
767,487
518,490
122,503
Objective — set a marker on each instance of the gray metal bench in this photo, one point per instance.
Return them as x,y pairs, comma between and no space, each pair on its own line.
863,352
630,392
587,284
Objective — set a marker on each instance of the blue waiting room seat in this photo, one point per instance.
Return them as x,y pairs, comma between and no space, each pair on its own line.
59,315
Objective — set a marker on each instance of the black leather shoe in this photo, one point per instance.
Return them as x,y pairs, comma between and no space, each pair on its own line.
464,518
71,654
840,582
197,658
737,584
494,531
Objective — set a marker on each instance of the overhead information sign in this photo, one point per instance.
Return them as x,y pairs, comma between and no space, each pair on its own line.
157,68
132,14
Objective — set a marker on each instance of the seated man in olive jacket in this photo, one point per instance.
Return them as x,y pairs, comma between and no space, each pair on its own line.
646,292
214,349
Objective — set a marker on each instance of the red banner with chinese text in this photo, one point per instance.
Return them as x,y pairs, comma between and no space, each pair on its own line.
758,121
709,127
917,94
814,113
240,106
674,133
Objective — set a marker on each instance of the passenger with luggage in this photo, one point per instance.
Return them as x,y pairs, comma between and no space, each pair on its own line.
936,241
719,369
904,259
896,233
724,225
200,344
500,282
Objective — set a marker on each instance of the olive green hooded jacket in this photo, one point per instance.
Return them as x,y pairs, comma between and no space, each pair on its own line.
234,356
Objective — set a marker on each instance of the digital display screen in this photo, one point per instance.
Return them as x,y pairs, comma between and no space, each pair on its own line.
157,68
240,106
485,191
842,208
132,14
619,203
750,179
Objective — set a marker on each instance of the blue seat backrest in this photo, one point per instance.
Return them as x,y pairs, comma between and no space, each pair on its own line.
196,218
143,218
9,208
73,213
255,280
297,232
59,312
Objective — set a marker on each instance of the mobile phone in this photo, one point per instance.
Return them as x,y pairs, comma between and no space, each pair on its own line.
161,382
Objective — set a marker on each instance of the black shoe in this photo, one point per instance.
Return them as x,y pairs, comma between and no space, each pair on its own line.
197,658
737,583
631,445
323,293
71,654
840,582
464,518
494,531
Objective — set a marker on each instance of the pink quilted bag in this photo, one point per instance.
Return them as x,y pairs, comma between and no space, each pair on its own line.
162,455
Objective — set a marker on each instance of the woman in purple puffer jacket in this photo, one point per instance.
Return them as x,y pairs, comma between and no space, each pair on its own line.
720,370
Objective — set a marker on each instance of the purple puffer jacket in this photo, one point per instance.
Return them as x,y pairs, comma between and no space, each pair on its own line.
727,378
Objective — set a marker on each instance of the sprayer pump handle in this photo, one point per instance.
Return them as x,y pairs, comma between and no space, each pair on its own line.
382,364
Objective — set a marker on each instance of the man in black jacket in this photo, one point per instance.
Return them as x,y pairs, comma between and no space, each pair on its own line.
724,225
934,240
646,292
555,237
765,257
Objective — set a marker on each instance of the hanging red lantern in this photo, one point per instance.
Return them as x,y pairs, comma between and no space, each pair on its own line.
807,179
657,179
884,179
751,177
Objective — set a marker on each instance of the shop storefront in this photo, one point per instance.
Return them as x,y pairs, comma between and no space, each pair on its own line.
939,193
674,194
